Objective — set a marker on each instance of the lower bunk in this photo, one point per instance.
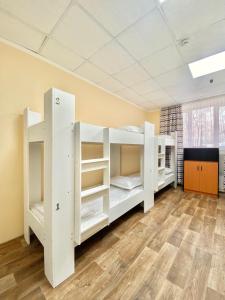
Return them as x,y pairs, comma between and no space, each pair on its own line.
92,215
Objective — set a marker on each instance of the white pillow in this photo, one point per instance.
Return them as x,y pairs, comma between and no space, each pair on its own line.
126,182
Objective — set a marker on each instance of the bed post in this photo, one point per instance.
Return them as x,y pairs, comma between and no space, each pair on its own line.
29,118
174,158
59,185
148,166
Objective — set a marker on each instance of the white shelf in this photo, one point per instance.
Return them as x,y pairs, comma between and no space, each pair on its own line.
94,190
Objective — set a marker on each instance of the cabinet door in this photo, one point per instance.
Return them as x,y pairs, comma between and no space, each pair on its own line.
209,177
191,175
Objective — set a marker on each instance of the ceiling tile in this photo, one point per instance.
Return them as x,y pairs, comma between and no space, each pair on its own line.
112,58
17,32
60,55
177,76
145,87
146,36
111,84
116,15
132,75
182,92
162,61
211,91
41,14
91,72
128,94
150,106
186,17
204,43
157,97
80,33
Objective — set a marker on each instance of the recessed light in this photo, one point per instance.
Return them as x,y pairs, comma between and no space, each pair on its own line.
208,65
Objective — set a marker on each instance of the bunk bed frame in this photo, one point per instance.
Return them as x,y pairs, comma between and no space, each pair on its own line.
57,141
165,149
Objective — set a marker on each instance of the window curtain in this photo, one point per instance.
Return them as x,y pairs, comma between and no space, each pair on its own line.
171,120
204,126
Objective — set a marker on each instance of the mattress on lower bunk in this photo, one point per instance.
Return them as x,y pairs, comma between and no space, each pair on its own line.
90,208
37,209
93,207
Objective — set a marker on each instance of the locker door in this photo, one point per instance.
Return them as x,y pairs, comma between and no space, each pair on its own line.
209,177
191,175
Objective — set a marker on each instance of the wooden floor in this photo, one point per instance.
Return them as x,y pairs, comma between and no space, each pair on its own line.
177,251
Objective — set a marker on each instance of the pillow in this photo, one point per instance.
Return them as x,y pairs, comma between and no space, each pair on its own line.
126,182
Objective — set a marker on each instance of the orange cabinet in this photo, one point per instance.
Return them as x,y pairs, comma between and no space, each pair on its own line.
201,176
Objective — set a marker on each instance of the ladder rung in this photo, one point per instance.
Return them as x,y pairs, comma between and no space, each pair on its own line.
97,160
94,190
94,164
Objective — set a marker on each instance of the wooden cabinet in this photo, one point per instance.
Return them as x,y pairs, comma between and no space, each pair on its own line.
201,176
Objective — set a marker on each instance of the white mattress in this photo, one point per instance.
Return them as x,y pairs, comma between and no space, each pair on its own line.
37,209
131,128
94,207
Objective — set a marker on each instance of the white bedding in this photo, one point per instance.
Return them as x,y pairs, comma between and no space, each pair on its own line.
126,182
131,128
38,209
93,207
168,171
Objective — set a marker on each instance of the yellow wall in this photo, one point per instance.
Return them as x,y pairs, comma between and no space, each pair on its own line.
154,117
23,81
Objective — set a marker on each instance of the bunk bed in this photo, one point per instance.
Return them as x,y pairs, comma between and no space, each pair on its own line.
165,161
56,208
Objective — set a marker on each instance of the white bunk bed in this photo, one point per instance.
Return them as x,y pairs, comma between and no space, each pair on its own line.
61,214
165,161
107,202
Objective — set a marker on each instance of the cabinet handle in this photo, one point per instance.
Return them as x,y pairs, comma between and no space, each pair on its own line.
201,168
197,168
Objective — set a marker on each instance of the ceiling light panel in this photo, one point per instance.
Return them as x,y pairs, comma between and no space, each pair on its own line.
116,15
208,65
41,14
80,33
147,36
17,32
60,55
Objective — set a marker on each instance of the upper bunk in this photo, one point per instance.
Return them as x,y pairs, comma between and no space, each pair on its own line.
95,134
169,140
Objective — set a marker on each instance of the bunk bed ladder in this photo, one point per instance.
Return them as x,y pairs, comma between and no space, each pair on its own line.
86,229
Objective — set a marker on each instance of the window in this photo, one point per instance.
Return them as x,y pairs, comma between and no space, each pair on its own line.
204,123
